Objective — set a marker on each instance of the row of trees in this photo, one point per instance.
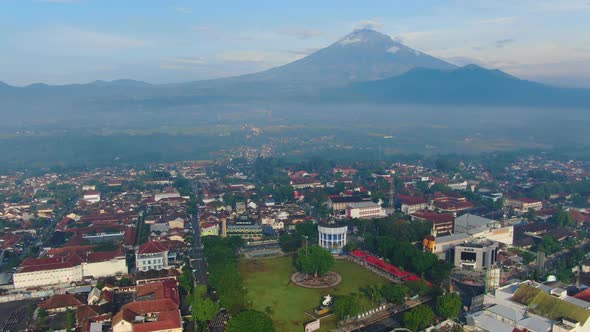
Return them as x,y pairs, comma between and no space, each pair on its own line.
447,305
224,276
420,317
408,256
356,303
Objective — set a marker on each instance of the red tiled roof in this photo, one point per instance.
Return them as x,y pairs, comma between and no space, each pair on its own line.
144,307
386,267
161,290
64,250
209,224
527,200
129,237
85,312
359,253
45,267
411,200
454,205
68,257
104,256
583,295
151,247
167,320
437,218
60,301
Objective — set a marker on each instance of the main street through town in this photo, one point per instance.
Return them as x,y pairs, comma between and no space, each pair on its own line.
198,262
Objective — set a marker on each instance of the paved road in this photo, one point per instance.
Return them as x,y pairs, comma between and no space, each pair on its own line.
387,322
384,325
198,262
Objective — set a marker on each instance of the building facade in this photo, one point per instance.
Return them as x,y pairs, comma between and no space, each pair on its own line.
524,204
70,268
476,255
332,237
152,255
365,210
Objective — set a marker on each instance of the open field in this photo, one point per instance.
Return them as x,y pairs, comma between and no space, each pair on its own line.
268,284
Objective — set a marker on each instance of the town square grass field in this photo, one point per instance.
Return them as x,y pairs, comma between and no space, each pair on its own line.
268,285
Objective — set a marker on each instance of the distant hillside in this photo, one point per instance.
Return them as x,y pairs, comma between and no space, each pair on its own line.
363,66
466,85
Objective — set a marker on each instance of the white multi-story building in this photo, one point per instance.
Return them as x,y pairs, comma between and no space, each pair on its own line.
152,255
365,210
69,268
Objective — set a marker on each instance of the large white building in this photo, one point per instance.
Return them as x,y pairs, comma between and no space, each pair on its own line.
167,193
152,255
69,268
530,306
476,255
92,196
365,210
332,237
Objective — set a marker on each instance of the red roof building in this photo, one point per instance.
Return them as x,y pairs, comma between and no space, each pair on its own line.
148,316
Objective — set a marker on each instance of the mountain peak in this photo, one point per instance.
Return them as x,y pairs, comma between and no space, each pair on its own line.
365,36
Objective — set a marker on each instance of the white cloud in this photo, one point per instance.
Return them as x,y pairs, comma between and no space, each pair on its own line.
349,41
373,24
393,49
183,10
301,33
182,62
498,20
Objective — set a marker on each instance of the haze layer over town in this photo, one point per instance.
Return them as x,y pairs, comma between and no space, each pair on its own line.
295,166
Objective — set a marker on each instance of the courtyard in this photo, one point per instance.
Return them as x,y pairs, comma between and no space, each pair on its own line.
269,286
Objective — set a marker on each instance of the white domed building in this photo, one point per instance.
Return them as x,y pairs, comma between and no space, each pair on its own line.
332,237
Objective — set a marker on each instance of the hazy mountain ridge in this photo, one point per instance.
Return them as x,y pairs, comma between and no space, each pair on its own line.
363,66
466,85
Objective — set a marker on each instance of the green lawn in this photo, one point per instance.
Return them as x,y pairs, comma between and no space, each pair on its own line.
268,284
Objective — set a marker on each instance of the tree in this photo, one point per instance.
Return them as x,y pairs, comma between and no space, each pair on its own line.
418,318
204,310
290,242
70,320
373,292
419,287
42,318
346,306
250,321
449,305
186,278
564,219
314,260
307,228
394,293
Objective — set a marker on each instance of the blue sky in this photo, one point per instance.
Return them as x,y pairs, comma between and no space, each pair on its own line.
73,41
